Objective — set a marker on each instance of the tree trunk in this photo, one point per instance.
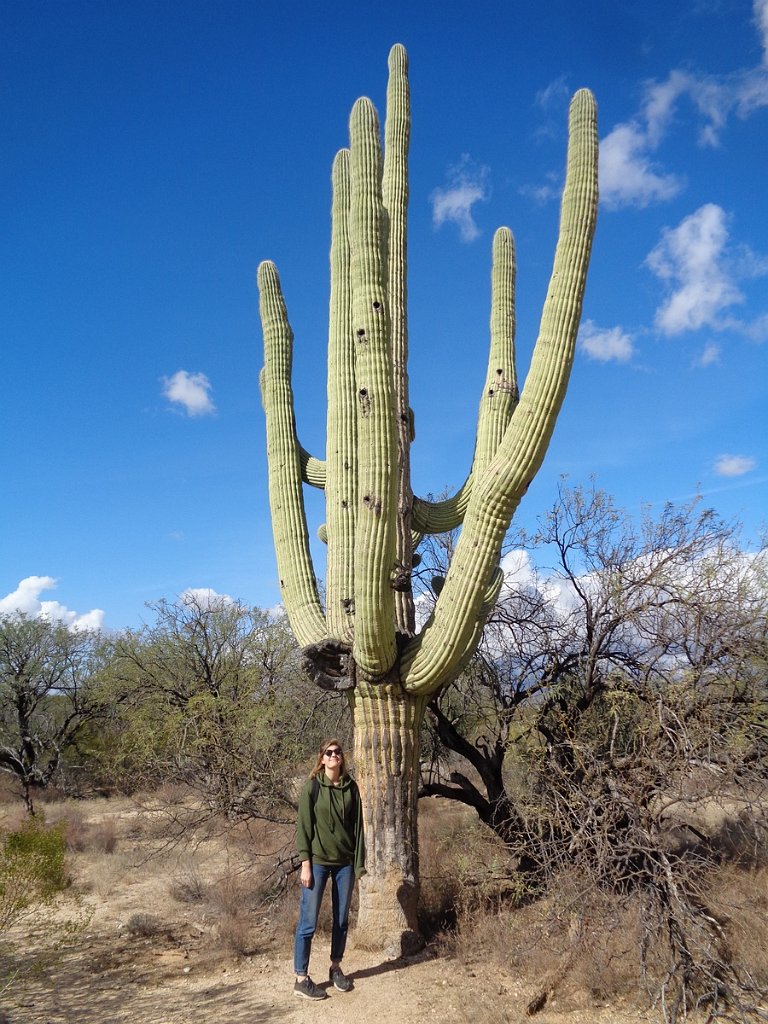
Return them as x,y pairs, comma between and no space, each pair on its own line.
387,723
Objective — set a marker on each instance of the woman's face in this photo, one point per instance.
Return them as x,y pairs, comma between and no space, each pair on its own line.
333,756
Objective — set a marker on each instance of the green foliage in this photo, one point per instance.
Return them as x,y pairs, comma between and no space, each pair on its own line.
32,870
50,688
215,700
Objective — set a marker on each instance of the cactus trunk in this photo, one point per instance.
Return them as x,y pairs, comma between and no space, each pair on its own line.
363,640
387,723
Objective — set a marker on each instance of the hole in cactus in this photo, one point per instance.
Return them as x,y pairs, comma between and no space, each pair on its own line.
345,504
361,332
377,305
500,371
363,392
490,392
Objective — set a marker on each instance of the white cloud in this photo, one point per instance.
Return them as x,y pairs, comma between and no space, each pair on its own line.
518,568
554,94
659,106
627,175
760,11
467,186
520,575
605,344
543,193
715,97
755,330
204,598
56,612
734,465
191,391
709,356
25,599
691,257
702,269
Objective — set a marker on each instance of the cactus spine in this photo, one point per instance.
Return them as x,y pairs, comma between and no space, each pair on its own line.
363,640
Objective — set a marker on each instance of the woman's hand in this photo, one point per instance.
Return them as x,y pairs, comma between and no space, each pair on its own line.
306,874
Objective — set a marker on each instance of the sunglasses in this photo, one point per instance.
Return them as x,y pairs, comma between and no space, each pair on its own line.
332,752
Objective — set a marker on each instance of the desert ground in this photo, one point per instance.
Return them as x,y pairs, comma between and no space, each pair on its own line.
170,933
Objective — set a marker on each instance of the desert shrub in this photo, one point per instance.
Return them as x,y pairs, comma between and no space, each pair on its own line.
467,871
104,836
81,835
236,934
72,821
232,901
188,886
32,870
143,925
50,692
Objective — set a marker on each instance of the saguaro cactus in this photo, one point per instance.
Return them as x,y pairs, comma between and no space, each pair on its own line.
363,640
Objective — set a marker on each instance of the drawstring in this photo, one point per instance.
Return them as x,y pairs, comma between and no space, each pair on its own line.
332,799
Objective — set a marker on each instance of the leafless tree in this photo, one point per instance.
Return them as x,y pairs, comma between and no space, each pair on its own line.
615,723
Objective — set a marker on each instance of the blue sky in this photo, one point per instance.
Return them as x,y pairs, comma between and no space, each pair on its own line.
155,152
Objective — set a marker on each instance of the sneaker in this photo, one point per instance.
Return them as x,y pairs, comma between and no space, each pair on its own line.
307,989
339,979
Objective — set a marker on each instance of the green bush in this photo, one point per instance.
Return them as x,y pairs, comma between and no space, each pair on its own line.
32,869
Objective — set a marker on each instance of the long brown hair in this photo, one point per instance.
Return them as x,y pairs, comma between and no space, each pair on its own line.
319,766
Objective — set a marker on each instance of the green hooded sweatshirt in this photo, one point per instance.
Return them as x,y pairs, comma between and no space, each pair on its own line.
330,829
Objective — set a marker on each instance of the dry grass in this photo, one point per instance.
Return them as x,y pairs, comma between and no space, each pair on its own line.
739,898
466,868
102,875
579,947
84,835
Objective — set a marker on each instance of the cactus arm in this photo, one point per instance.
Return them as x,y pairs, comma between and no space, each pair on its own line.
341,461
490,597
397,130
294,563
500,394
442,516
430,658
374,650
312,469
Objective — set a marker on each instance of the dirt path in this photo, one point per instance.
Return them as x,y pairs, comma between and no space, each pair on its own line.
100,984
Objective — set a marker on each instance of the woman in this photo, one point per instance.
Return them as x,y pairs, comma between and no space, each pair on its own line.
329,838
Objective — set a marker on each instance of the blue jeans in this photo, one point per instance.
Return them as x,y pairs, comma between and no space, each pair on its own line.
342,883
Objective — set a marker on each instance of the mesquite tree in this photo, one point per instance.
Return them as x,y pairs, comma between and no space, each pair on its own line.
362,639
